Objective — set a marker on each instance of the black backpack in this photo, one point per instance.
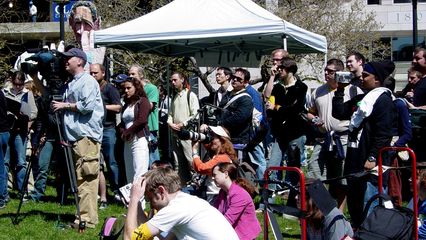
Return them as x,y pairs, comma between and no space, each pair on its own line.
385,223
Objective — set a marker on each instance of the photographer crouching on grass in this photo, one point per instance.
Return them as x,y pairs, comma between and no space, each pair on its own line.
219,148
180,215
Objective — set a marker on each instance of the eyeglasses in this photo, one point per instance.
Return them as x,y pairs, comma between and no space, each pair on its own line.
280,69
18,84
277,59
238,79
328,70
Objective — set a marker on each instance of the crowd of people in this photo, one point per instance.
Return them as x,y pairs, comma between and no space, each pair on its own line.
117,130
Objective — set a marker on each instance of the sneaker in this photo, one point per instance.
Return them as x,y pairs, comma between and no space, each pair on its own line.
103,205
2,205
117,198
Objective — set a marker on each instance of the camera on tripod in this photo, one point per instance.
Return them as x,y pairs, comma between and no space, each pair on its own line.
51,66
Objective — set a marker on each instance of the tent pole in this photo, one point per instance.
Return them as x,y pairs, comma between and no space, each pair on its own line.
285,42
169,133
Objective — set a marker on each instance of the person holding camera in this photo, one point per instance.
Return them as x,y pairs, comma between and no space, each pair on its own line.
83,114
327,158
287,124
134,129
371,128
179,215
219,149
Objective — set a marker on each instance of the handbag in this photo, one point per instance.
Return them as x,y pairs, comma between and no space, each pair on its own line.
152,141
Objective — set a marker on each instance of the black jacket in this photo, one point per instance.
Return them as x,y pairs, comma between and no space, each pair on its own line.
236,117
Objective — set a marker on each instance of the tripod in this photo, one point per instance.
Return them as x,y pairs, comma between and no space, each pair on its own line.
71,173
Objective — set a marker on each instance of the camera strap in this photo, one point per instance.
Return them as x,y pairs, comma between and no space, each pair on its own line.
235,98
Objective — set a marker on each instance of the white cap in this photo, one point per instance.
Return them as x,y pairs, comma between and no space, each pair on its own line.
220,131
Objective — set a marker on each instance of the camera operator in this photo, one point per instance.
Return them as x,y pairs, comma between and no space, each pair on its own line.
219,149
83,113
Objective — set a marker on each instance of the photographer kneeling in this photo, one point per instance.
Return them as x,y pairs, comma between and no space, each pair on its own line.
219,149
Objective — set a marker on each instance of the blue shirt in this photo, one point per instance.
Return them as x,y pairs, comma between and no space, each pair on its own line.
256,98
84,91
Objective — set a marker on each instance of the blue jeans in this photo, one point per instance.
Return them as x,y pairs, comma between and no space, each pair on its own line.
41,169
257,156
293,152
18,145
279,153
370,191
154,154
108,146
4,138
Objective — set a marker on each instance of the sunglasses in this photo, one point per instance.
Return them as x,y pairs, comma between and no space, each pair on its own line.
18,84
328,70
238,79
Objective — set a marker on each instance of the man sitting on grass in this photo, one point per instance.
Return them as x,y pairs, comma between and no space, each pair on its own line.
179,214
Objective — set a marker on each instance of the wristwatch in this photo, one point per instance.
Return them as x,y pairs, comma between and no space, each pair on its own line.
371,159
69,106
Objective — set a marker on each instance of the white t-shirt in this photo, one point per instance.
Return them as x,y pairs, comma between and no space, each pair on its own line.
322,101
190,217
129,116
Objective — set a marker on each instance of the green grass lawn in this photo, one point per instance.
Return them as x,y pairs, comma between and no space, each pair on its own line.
45,220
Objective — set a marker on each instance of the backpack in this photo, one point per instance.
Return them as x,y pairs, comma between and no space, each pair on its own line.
113,228
384,223
246,171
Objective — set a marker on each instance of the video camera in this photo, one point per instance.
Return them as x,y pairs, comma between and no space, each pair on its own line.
210,114
50,65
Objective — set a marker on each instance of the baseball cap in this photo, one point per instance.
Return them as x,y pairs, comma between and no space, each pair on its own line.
75,52
220,131
120,78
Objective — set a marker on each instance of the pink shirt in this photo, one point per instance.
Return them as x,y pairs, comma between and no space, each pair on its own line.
238,208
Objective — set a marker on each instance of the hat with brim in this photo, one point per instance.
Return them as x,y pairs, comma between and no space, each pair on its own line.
120,78
75,52
220,131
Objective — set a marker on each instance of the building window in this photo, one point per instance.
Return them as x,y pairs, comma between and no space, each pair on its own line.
402,47
373,2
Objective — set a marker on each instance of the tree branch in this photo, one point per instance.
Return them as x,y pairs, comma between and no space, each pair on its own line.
202,76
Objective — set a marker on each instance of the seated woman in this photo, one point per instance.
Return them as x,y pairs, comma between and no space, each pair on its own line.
324,220
234,201
219,149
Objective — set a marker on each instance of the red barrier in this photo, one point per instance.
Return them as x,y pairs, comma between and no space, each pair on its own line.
413,177
302,198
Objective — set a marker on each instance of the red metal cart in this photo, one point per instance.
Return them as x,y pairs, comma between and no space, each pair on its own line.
413,177
301,195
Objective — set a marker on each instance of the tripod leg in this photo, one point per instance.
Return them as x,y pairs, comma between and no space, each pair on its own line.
71,171
73,185
23,191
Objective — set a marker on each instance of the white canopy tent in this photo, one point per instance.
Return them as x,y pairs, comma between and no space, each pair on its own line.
215,32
